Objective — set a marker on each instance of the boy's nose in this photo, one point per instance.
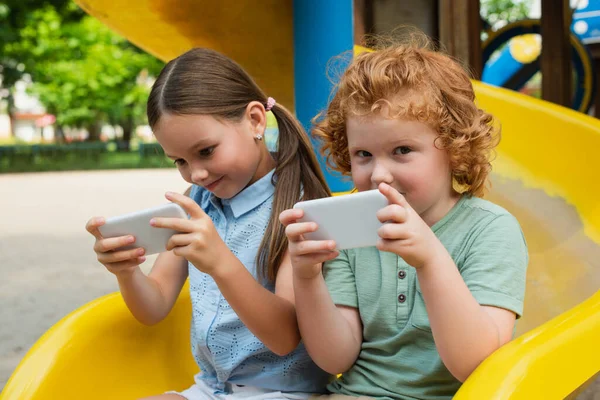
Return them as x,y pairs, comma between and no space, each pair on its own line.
381,174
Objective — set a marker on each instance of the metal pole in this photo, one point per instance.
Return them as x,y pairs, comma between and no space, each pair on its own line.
322,29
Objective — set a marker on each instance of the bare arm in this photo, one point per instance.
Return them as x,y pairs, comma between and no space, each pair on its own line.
151,298
332,335
271,317
465,332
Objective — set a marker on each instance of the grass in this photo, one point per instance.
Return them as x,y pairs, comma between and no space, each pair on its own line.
11,140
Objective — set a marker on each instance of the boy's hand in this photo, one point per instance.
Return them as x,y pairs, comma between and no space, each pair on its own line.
116,261
199,242
404,232
307,256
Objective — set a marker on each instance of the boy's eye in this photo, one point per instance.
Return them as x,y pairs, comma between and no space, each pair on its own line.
362,153
207,151
402,150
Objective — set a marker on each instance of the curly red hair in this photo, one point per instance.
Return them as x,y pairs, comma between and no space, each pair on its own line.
414,82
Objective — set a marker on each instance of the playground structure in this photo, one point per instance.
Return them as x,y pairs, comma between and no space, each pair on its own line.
519,46
543,174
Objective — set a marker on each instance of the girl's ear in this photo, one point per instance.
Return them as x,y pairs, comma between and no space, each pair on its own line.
256,116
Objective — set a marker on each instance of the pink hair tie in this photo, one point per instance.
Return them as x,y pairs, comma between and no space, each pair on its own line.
270,103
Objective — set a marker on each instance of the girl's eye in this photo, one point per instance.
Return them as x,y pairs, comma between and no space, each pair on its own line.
179,162
362,153
402,150
207,151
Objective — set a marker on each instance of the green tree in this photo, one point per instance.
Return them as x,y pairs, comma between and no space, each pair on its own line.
14,15
82,72
499,12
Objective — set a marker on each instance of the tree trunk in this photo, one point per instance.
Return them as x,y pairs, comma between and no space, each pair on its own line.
59,134
10,110
94,130
128,126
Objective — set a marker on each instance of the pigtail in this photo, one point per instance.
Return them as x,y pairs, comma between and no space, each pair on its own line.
297,176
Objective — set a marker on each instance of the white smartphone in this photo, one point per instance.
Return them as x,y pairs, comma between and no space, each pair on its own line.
349,219
153,240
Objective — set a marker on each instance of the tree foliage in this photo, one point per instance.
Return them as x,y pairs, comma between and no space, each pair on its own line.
82,72
499,12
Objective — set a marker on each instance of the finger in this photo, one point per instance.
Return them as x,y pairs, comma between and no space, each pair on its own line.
182,251
109,244
385,245
392,213
288,217
307,247
393,196
178,224
179,241
118,256
92,226
295,231
318,258
116,267
188,204
392,232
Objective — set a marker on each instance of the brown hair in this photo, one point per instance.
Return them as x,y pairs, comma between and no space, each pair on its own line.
203,81
413,81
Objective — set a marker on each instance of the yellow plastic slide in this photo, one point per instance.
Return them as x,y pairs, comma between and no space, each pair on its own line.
545,173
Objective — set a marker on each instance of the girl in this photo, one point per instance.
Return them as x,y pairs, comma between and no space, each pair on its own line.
413,317
209,116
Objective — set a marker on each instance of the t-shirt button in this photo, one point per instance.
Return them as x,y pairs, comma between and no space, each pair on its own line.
402,298
402,274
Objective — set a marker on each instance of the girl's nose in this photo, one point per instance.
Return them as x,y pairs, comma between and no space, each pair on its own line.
199,174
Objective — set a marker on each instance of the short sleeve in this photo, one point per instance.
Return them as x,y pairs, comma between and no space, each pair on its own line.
341,281
495,265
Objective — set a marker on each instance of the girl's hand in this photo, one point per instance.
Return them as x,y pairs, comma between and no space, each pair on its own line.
116,261
199,242
307,256
404,232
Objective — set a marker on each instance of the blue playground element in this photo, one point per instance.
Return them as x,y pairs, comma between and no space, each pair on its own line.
323,29
586,22
497,72
518,59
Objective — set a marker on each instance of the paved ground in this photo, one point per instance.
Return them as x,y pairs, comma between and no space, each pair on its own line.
47,266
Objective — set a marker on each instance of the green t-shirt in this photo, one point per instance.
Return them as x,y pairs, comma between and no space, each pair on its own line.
398,357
